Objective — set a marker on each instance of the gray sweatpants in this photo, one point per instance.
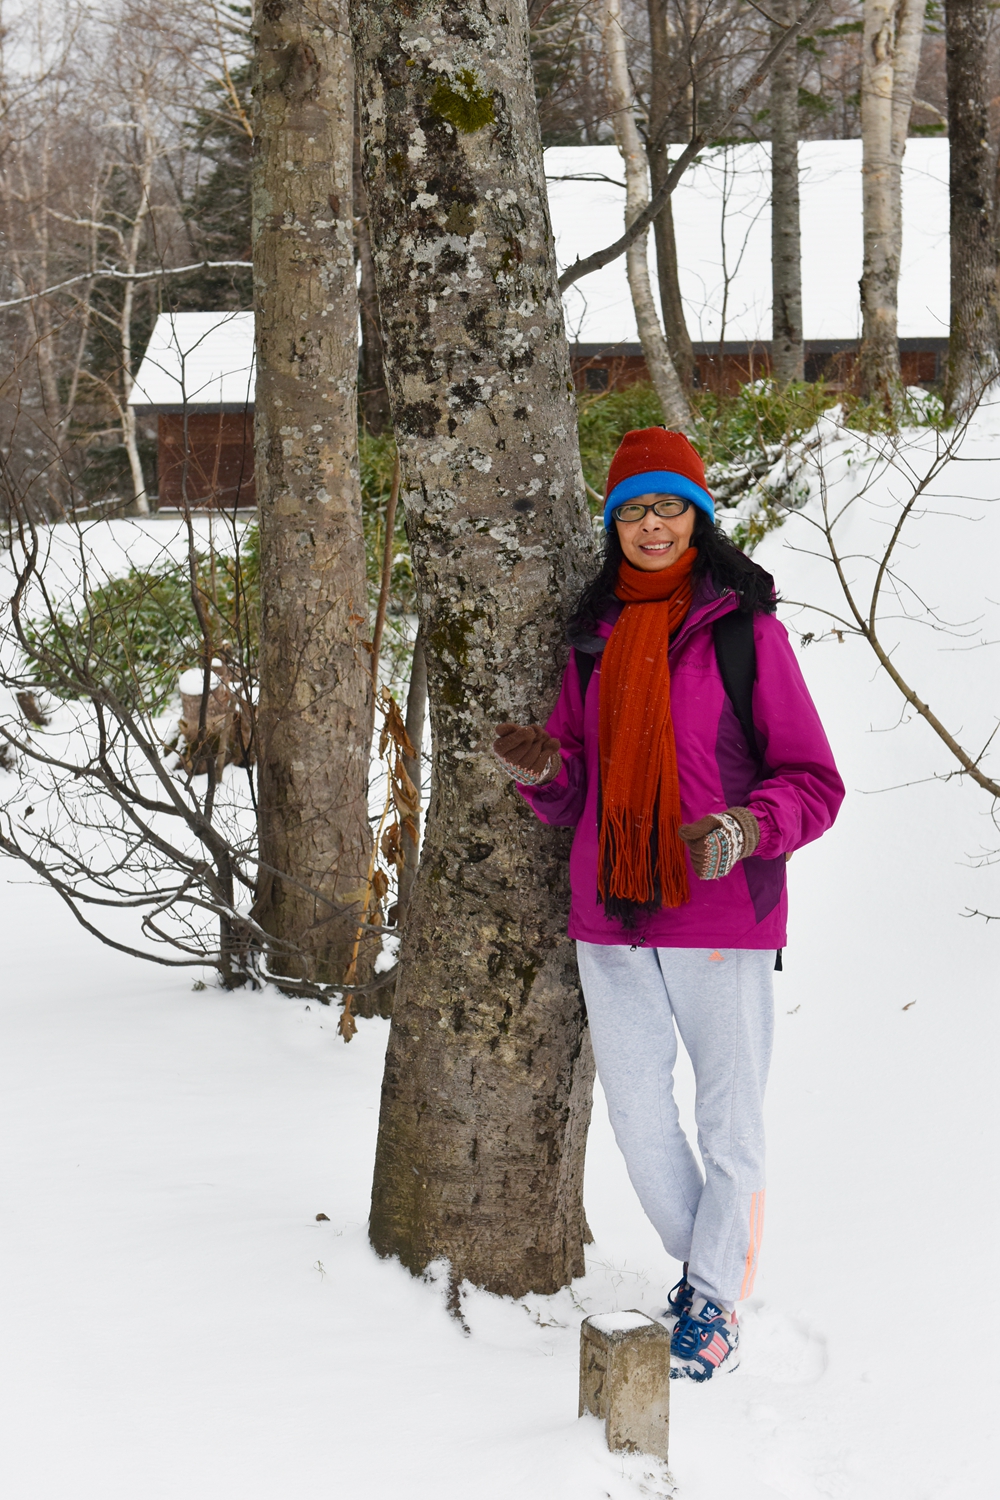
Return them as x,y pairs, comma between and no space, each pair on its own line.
722,1004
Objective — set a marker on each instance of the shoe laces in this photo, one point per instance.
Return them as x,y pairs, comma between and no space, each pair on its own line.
682,1292
689,1334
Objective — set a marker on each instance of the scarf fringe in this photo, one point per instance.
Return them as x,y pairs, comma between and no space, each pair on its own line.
640,862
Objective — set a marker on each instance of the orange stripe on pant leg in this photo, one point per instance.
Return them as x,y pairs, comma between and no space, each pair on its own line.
756,1235
751,1248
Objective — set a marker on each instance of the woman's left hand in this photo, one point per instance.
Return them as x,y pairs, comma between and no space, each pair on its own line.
717,843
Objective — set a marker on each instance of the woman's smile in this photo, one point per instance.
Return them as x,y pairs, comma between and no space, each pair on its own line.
656,542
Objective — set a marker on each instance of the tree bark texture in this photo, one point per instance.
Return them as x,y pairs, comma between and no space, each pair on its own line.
373,397
315,686
676,411
488,1080
675,327
974,344
890,56
787,349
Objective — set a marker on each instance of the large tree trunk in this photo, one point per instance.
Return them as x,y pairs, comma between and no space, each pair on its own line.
890,57
486,1096
674,324
676,412
315,687
974,344
787,349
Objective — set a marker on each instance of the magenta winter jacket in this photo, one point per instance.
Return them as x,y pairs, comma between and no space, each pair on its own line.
795,801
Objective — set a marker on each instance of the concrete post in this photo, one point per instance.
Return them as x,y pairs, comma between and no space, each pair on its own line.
625,1379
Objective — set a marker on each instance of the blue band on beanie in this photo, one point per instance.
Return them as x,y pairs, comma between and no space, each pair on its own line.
658,482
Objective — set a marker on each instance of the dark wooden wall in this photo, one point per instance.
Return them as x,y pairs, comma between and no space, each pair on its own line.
726,372
207,458
218,446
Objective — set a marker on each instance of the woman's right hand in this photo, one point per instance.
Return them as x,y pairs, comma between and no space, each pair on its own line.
527,748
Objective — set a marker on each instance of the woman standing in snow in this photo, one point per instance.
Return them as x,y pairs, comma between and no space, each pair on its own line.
691,760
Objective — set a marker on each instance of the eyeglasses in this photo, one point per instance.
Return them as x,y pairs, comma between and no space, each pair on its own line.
668,507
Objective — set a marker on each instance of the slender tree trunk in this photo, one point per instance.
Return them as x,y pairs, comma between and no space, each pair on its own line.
676,412
315,685
133,245
674,324
974,344
486,1096
372,394
890,56
787,349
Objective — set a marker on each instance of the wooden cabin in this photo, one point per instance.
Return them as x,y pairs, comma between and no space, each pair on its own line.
197,375
197,379
722,225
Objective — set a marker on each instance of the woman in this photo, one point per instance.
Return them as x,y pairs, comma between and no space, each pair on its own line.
677,868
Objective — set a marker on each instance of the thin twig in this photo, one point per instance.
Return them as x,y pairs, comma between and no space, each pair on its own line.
112,275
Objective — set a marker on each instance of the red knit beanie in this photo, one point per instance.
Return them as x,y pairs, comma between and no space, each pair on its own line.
651,448
652,460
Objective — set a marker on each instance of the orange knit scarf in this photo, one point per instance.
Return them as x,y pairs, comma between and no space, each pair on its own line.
640,794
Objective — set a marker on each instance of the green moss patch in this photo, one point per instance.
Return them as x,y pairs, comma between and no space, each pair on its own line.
463,103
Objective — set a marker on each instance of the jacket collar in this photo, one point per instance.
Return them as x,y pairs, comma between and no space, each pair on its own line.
707,606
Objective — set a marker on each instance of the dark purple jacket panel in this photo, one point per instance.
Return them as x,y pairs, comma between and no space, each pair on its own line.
795,799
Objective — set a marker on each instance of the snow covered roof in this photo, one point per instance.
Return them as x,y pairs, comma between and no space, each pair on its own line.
198,359
725,201
722,220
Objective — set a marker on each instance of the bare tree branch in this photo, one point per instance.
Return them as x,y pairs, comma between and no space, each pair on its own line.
715,130
110,274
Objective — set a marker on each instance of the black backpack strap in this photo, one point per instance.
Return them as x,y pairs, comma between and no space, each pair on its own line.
585,664
736,655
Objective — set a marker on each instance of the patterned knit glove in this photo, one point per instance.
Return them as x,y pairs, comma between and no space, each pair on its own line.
718,843
527,753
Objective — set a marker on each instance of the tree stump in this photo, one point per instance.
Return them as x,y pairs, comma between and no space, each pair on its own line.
227,737
625,1380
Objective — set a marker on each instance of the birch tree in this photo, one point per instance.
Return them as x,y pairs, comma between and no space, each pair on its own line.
487,1087
661,103
676,412
974,343
315,717
787,348
889,60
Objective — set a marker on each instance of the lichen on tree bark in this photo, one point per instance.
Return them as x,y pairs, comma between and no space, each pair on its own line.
488,1076
315,688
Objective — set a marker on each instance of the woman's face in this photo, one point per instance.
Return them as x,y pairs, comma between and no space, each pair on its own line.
656,542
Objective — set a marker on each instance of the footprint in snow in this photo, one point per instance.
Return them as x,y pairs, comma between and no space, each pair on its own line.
776,1347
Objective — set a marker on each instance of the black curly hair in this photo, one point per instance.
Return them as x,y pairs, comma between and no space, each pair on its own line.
718,558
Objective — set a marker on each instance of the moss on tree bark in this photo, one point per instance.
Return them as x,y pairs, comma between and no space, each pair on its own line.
486,1097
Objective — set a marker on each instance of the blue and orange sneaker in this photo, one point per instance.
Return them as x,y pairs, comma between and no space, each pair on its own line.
705,1339
679,1301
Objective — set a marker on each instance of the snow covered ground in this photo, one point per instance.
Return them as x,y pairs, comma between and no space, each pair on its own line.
177,1323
